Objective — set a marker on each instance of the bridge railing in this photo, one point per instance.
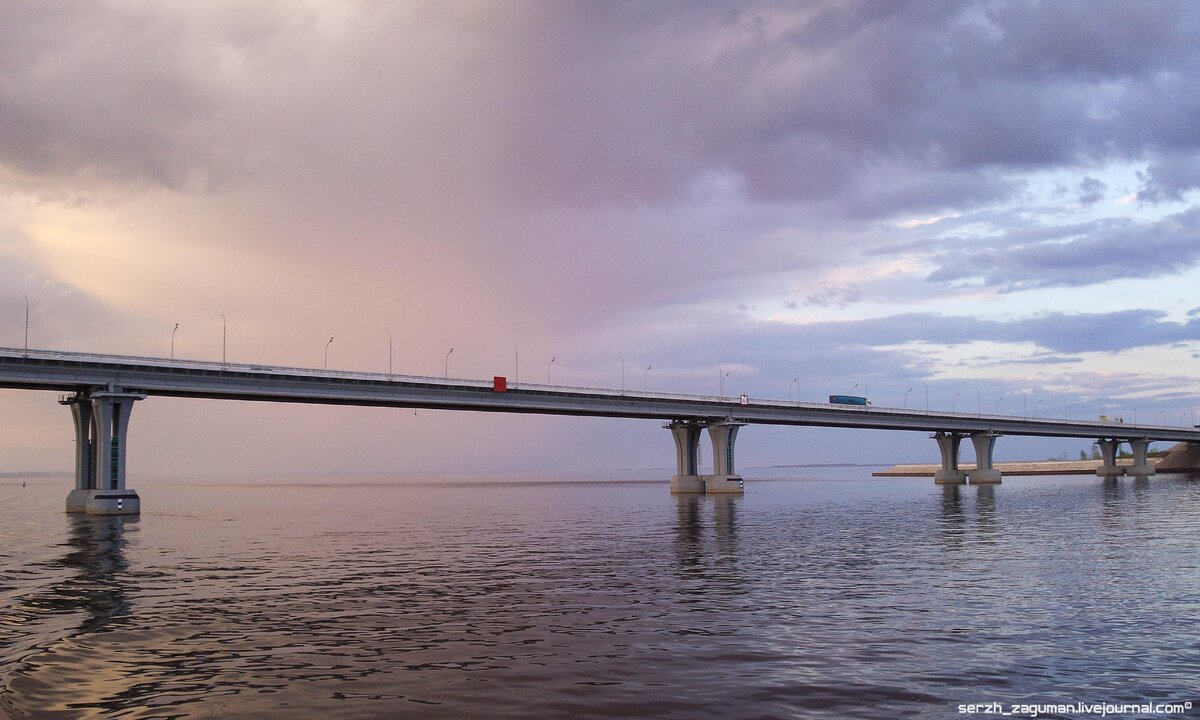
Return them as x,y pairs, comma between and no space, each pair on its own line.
734,402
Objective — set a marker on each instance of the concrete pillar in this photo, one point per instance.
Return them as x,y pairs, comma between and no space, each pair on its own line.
949,474
85,479
984,473
103,473
724,478
1108,451
687,441
1141,466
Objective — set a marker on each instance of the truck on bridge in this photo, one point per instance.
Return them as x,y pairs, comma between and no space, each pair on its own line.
847,400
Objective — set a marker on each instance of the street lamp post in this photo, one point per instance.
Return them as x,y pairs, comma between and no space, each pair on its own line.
446,364
173,340
327,353
26,326
978,402
552,359
906,392
1035,407
797,381
926,396
618,352
224,325
954,402
645,376
389,332
997,412
516,362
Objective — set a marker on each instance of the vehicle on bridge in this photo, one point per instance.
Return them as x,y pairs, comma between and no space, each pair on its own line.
847,400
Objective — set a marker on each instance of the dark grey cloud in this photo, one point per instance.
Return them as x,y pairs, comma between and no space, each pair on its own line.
1168,178
1076,255
871,108
1091,191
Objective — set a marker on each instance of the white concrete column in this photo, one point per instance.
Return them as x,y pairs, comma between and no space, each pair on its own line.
103,459
984,472
948,474
1141,466
687,441
1108,451
724,478
85,478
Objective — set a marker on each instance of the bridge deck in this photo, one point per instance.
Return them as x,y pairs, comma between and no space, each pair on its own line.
70,371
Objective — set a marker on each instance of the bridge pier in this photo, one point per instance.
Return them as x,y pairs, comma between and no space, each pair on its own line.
724,478
687,440
985,472
101,426
687,479
1141,466
1108,451
949,474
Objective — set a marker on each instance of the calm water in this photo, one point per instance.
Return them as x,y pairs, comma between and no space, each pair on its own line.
830,596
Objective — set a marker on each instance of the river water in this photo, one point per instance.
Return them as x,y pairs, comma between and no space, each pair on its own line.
821,593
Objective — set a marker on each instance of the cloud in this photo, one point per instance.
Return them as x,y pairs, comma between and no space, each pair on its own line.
1168,178
1077,255
1091,191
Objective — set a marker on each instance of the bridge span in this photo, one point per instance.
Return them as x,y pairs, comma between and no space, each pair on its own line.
101,391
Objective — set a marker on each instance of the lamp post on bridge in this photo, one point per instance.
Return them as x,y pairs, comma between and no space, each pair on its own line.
552,359
1035,407
173,340
622,357
389,333
978,401
721,375
223,327
954,402
997,411
906,392
446,364
646,375
516,362
26,326
327,353
926,396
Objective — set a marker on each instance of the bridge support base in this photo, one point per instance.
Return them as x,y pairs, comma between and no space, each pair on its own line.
1141,466
948,473
715,484
1108,451
985,472
101,426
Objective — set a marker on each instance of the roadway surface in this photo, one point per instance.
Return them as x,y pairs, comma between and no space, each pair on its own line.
71,372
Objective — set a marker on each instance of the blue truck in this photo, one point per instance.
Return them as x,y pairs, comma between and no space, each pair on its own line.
847,400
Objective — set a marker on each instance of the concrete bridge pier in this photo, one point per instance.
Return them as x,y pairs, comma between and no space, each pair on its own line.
1108,451
101,426
1141,466
949,474
985,472
724,478
687,477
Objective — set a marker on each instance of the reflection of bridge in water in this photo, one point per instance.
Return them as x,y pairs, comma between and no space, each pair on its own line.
102,389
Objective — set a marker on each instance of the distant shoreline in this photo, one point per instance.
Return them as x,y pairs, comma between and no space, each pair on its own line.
1034,467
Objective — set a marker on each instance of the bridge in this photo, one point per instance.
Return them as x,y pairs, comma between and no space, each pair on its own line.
102,389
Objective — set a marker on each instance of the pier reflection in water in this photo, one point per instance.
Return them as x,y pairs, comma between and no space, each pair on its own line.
835,596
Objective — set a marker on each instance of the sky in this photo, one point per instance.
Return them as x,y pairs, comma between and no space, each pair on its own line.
979,206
